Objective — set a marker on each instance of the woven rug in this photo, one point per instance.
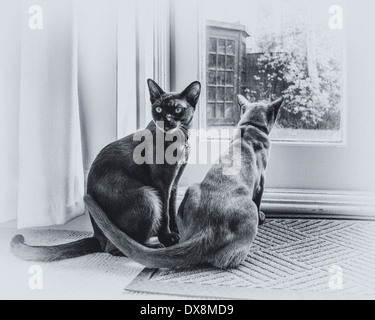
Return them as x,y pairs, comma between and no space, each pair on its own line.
290,259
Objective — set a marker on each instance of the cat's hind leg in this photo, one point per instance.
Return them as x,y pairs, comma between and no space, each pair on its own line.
141,215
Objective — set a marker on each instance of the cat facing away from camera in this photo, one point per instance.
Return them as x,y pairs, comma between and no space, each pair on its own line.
139,199
218,218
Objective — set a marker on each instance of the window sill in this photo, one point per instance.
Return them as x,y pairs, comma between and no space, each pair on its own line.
314,204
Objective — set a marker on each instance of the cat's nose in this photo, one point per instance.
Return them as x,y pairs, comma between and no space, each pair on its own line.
168,117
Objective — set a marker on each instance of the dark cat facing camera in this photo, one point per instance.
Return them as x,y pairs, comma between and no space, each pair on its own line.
139,199
218,218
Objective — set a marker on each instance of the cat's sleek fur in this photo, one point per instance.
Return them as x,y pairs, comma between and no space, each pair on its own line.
139,199
218,219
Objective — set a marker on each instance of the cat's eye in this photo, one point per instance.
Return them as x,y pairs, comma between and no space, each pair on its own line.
159,110
178,110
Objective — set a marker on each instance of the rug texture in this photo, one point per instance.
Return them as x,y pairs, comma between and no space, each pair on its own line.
290,259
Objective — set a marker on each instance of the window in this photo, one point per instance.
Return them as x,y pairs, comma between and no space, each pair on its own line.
276,48
302,163
226,53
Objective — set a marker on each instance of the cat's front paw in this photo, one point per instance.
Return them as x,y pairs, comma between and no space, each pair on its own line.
169,239
262,218
174,228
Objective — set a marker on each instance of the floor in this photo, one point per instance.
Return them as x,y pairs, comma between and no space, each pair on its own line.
93,277
292,255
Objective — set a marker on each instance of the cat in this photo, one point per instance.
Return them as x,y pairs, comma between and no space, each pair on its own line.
218,219
140,199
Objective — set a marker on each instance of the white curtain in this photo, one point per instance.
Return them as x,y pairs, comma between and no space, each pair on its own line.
42,180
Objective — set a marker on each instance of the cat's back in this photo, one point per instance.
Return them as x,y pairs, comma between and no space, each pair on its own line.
116,152
115,159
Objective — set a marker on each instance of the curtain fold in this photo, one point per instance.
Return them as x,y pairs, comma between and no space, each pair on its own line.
50,154
10,48
50,181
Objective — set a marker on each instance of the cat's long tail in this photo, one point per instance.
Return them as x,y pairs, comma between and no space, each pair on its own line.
54,253
182,255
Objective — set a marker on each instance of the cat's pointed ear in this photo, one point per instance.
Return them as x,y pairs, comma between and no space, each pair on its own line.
155,91
191,93
242,102
275,106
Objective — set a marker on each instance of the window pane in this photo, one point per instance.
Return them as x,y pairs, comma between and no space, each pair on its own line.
229,111
211,94
284,49
221,78
213,45
211,111
220,110
231,48
230,63
220,94
212,77
229,94
222,45
221,62
229,78
212,61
